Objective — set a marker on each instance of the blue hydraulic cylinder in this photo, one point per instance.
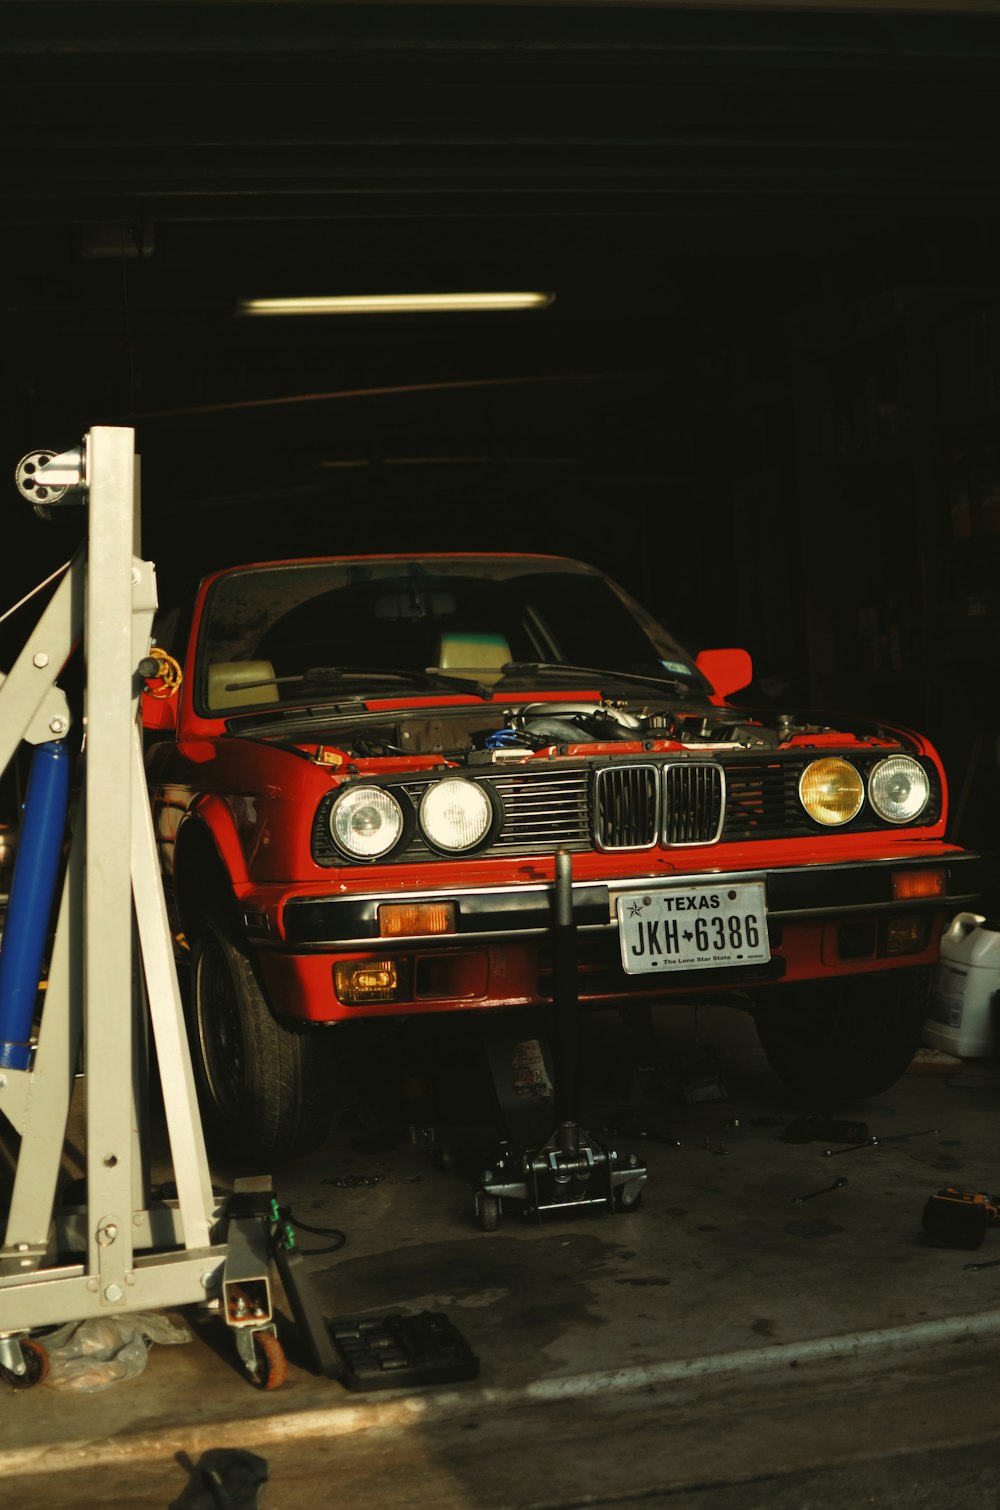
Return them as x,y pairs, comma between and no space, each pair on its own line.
29,909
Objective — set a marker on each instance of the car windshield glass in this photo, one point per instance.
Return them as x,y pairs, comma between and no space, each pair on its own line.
466,617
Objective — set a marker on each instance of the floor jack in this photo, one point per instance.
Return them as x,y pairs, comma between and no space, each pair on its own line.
570,1171
111,980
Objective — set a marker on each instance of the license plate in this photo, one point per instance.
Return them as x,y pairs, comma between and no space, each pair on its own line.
693,927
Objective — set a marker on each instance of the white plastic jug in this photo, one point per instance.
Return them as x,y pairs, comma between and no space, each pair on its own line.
962,1017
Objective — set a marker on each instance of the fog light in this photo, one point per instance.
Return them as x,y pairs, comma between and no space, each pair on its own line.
399,919
906,935
907,884
359,981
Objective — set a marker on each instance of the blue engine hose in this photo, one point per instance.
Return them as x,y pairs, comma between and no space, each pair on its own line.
29,909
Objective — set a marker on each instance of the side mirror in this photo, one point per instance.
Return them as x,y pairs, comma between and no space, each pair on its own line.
727,670
158,713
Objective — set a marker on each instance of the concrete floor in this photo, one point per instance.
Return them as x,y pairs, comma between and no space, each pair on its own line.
722,1346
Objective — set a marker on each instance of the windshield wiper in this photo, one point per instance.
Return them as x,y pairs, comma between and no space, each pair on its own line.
325,676
598,674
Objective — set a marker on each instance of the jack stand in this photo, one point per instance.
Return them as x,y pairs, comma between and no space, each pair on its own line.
111,975
571,1171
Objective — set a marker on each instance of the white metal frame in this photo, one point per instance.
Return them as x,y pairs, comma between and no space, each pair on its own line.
111,960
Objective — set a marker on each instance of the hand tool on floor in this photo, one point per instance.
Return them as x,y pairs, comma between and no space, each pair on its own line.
960,1218
837,1185
831,1153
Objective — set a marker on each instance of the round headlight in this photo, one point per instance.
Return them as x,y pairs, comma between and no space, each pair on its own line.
898,789
366,822
831,791
455,814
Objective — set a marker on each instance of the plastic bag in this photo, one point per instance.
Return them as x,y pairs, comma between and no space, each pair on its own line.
91,1355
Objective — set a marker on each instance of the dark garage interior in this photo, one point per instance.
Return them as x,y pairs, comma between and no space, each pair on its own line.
764,396
769,232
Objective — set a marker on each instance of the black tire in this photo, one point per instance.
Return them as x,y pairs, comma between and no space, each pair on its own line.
834,1042
488,1212
266,1090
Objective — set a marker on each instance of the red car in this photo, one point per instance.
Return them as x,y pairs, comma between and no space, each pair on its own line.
361,783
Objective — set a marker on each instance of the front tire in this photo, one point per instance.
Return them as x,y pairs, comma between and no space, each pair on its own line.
834,1042
265,1089
487,1212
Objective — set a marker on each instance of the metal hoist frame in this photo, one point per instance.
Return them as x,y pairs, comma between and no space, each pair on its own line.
111,974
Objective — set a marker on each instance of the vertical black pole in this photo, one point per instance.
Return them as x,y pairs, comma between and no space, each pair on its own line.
565,1001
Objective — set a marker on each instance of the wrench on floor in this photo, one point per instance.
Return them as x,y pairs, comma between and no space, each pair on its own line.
837,1185
831,1153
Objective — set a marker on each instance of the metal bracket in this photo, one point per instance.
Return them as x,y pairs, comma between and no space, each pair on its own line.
11,1356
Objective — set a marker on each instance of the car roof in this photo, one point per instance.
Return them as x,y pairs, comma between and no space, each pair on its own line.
522,560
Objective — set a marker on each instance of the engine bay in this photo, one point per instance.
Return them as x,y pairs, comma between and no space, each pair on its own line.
498,734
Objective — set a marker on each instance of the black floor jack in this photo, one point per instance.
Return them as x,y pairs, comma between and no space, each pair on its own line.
570,1170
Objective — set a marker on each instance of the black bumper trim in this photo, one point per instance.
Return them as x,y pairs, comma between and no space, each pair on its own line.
793,893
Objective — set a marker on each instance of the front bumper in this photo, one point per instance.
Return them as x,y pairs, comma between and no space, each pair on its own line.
822,920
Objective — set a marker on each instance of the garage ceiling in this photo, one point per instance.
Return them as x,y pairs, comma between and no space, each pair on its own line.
683,178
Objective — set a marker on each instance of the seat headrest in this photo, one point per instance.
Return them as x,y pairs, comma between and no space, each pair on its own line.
473,655
228,683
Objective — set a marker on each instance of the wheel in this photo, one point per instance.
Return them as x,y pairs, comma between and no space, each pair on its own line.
36,1366
840,1041
265,1089
627,1198
270,1364
488,1212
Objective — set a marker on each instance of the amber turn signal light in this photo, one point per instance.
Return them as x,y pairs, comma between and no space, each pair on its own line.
401,919
908,884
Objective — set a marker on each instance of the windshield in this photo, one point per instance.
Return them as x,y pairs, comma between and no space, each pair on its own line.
270,632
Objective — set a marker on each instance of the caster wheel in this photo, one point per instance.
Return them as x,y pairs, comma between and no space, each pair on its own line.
622,1202
271,1368
488,1212
36,1366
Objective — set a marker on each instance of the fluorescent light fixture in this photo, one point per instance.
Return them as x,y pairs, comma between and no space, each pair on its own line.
394,304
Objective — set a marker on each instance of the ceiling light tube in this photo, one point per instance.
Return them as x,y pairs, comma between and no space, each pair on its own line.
380,304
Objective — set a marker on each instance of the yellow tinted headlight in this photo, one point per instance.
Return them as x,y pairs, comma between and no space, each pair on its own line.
831,791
